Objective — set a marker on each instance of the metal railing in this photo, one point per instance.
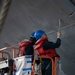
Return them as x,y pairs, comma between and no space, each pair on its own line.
10,47
54,65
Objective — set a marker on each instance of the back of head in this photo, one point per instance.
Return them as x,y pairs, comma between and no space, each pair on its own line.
38,34
32,38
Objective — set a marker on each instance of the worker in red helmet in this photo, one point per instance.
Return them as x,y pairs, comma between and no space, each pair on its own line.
46,48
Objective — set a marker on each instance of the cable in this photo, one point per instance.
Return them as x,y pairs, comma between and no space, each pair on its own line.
53,31
61,28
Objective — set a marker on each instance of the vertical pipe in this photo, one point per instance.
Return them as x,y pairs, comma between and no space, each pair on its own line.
14,53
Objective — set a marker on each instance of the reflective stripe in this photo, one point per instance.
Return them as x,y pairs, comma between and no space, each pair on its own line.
30,56
25,69
29,61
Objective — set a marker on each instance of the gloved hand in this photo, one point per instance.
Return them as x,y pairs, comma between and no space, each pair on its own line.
58,34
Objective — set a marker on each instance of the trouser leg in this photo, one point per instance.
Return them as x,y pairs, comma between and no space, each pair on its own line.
46,67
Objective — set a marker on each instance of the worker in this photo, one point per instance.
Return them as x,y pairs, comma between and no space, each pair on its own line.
46,48
26,46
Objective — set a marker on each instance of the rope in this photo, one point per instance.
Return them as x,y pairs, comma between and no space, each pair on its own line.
4,10
54,31
61,28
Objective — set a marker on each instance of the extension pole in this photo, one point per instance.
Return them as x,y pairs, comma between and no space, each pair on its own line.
59,24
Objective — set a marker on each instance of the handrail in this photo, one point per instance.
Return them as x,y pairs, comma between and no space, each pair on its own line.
53,64
8,55
10,47
56,58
